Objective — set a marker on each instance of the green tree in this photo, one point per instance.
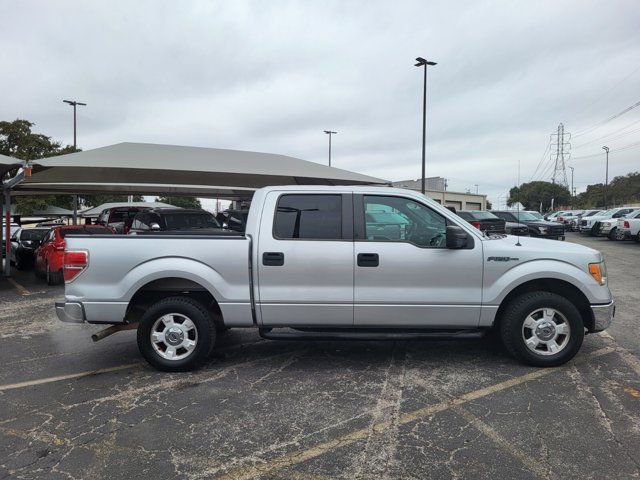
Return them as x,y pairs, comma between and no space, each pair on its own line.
533,193
18,141
489,206
178,201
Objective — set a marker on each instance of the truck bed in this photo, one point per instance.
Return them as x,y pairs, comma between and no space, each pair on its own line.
121,265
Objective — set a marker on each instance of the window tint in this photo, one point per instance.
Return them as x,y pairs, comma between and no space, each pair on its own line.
396,219
309,217
189,220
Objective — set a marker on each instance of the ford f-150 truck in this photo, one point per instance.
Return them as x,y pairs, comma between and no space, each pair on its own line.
341,263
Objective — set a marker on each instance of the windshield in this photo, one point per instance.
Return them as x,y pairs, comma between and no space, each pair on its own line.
524,216
481,215
607,213
32,234
536,215
186,221
595,212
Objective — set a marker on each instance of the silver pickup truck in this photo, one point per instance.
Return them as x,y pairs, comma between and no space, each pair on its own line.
338,263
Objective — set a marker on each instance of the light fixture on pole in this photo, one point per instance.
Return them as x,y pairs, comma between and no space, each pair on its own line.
421,62
573,193
329,132
606,177
74,104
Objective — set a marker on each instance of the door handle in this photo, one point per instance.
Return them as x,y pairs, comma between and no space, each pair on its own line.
273,259
368,260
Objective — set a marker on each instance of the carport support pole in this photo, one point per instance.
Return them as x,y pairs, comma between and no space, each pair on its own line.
7,232
75,209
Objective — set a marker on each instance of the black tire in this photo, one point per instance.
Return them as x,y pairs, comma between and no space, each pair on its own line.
204,325
637,237
612,234
517,311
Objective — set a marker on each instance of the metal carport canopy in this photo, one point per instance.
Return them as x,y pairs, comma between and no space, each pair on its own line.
153,169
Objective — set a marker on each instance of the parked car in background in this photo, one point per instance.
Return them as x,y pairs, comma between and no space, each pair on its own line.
165,219
484,221
610,228
235,220
13,228
574,223
537,227
567,216
551,217
591,225
629,226
49,255
24,244
119,218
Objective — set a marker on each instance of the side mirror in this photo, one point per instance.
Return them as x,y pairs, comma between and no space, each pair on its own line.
154,227
456,237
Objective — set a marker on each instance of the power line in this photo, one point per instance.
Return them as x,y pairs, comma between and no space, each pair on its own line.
615,85
612,133
595,126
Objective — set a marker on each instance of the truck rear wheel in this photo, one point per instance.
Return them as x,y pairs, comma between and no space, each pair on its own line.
542,329
176,334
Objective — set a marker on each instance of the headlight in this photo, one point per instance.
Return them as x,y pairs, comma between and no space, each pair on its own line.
542,229
599,272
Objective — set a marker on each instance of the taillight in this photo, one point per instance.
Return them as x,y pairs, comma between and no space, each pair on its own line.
75,261
476,224
626,224
561,219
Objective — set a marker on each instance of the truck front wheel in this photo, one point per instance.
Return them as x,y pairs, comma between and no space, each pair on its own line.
542,329
176,334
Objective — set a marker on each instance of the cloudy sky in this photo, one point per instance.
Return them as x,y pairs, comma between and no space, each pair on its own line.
271,75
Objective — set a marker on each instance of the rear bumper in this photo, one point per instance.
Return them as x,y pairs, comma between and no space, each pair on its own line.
70,312
603,316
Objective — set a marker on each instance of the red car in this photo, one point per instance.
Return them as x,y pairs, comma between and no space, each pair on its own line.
50,253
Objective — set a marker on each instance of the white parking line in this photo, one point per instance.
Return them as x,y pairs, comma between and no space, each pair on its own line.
41,381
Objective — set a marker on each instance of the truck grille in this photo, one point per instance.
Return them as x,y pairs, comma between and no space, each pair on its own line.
583,223
559,230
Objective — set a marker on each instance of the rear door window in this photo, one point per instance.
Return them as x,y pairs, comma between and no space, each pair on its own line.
308,217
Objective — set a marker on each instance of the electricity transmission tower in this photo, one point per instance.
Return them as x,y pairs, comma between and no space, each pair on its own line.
563,147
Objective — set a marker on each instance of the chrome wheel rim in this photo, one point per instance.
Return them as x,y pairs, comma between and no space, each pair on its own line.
174,336
546,331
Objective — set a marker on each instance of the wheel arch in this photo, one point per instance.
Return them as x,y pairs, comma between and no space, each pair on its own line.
157,289
553,285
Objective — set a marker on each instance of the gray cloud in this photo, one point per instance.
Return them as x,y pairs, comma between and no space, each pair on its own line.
270,76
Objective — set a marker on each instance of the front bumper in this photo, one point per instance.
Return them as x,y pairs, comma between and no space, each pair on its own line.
70,312
603,316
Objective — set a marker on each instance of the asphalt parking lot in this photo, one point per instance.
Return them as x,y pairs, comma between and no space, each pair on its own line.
72,409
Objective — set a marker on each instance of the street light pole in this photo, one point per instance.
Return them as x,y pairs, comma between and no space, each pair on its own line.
421,62
329,132
572,191
476,185
74,104
606,177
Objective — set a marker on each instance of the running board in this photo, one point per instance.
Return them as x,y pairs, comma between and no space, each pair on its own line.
269,334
